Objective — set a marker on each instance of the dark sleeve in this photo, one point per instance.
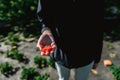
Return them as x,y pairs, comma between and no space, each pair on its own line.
45,14
99,51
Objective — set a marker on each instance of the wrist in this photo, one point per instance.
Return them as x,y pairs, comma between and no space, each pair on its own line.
45,29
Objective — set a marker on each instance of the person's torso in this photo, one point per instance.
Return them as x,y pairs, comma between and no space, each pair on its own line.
80,23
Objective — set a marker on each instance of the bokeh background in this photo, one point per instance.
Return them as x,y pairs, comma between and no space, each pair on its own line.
20,30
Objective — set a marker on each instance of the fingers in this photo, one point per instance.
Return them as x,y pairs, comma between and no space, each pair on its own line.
53,46
39,46
45,53
40,43
46,39
52,39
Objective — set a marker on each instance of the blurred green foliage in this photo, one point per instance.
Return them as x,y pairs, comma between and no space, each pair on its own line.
20,15
112,7
112,19
17,10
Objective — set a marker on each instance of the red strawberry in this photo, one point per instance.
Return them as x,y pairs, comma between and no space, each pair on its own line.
46,50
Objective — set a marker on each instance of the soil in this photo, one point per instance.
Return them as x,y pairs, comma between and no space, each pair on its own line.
30,51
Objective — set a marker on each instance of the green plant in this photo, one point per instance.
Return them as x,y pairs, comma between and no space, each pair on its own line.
51,62
109,45
13,43
12,10
27,73
1,36
111,8
20,15
5,68
45,76
42,77
115,71
12,39
38,77
40,61
14,54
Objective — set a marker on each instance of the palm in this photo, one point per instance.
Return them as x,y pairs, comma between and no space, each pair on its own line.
46,40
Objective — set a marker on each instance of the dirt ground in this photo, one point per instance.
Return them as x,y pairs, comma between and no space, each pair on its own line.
29,49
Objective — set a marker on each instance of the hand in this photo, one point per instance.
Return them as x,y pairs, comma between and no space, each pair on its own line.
46,39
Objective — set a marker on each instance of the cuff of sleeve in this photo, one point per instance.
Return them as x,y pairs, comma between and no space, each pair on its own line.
44,27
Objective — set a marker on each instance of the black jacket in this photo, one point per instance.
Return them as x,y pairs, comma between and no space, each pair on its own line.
77,27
